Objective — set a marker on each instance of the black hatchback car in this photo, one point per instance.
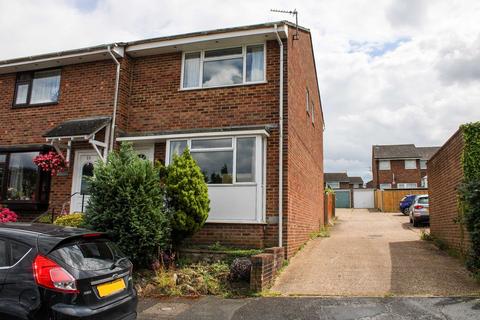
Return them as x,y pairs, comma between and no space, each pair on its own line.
52,272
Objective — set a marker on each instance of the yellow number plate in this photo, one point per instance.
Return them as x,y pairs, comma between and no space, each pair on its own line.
109,288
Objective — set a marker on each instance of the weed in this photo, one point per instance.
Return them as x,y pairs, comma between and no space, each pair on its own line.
426,236
324,232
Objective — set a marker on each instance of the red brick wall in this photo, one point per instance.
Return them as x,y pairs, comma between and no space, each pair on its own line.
85,90
402,175
304,212
157,104
444,176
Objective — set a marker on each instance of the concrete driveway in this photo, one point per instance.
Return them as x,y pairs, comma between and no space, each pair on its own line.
374,254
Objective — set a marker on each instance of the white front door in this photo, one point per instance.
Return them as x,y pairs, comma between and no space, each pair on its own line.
83,168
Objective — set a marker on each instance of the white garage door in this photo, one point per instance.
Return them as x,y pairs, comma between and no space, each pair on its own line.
363,198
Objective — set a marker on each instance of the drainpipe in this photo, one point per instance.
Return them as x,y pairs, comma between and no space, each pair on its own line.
280,145
115,98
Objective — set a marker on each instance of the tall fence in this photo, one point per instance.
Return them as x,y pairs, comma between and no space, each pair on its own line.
389,200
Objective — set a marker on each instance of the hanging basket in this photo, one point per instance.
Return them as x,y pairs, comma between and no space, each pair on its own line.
50,162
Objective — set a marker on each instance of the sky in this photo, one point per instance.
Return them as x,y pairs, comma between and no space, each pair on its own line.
389,71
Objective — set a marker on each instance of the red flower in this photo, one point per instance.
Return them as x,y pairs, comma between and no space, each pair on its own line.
6,215
50,162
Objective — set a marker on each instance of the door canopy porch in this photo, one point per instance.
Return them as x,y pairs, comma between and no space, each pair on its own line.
84,129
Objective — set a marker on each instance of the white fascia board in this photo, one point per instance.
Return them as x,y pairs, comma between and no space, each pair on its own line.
204,38
196,135
67,59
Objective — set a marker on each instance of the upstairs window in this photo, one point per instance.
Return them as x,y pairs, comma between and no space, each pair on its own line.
333,184
423,164
410,164
224,67
384,165
36,88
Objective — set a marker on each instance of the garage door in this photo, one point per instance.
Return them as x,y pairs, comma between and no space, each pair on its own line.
364,198
342,199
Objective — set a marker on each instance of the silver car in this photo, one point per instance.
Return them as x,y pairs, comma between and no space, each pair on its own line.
419,210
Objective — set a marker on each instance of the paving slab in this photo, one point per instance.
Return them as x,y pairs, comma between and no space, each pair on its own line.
374,254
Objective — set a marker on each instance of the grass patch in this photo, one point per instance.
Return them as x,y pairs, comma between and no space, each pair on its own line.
191,280
324,232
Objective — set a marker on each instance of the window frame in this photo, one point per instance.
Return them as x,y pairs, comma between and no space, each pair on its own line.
335,186
43,177
385,184
226,57
384,161
29,82
403,185
410,161
233,148
424,162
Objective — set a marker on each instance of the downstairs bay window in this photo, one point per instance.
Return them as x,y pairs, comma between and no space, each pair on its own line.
22,184
233,169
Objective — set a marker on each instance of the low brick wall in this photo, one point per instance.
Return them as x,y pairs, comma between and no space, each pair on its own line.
265,267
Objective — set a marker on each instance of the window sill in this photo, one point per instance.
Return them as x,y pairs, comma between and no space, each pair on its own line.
22,106
236,222
224,86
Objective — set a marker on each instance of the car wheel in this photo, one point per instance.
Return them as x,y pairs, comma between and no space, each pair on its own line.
404,211
415,223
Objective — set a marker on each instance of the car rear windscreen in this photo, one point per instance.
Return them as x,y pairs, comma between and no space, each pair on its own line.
88,254
423,200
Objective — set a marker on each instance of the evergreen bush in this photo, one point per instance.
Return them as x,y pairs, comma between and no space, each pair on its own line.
70,220
186,196
127,202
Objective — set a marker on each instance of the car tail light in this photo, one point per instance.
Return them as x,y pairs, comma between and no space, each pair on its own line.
418,207
50,275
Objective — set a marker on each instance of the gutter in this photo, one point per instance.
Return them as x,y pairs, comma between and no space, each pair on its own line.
115,100
280,144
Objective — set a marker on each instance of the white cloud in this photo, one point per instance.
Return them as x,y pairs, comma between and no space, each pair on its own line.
418,91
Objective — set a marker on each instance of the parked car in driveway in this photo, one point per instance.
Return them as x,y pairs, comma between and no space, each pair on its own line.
53,272
419,210
406,202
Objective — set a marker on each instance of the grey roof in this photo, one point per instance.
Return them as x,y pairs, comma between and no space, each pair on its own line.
78,127
165,38
426,153
358,180
336,176
395,151
266,127
407,151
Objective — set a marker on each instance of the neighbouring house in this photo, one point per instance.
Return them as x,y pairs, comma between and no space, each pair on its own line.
343,185
244,100
402,166
337,180
445,174
355,182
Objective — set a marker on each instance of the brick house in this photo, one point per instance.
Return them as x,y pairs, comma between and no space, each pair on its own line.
402,166
245,100
341,180
445,176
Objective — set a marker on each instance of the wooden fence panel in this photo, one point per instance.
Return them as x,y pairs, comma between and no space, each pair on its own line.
389,200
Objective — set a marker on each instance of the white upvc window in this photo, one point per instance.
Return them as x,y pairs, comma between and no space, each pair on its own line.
333,184
245,64
234,170
384,164
385,186
410,164
423,164
356,186
407,185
